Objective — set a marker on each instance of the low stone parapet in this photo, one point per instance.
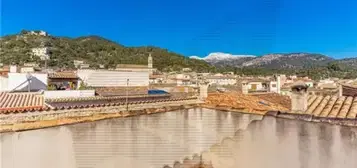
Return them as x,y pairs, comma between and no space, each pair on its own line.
34,120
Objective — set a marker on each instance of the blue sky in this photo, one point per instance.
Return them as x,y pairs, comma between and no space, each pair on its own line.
197,27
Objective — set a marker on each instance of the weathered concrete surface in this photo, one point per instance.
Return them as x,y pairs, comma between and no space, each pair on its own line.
169,138
149,141
279,143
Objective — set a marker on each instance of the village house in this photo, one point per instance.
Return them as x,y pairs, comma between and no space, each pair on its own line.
156,79
221,80
179,79
327,84
4,70
186,69
126,79
41,52
67,80
77,63
258,85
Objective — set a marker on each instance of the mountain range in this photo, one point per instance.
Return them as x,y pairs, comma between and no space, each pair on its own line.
96,50
276,61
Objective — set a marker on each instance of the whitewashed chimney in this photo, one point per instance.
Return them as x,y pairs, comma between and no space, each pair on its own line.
340,90
245,87
13,69
299,97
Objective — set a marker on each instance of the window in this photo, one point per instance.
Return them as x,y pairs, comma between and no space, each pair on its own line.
273,85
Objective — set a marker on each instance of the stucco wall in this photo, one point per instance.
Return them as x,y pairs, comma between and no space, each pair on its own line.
103,78
68,93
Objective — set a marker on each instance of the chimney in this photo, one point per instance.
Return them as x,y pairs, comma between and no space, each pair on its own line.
340,90
299,97
244,87
203,91
278,83
13,69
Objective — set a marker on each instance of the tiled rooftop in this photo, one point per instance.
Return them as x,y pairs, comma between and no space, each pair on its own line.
332,106
244,102
87,102
349,90
276,99
135,66
121,91
19,102
63,75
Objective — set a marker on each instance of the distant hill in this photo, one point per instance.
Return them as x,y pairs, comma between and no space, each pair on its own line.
275,61
317,66
94,50
348,63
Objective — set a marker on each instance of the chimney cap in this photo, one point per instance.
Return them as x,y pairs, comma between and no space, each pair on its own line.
299,85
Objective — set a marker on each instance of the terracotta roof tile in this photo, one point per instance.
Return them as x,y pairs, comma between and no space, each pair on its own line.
134,66
121,91
276,99
19,102
349,90
63,75
245,102
332,106
107,101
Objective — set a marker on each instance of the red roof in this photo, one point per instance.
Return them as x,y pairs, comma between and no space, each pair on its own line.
19,102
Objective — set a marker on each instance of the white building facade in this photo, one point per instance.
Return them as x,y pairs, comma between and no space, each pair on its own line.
23,82
221,80
106,78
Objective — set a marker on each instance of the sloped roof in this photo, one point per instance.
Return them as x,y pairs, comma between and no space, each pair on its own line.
349,90
117,91
332,106
19,102
243,102
134,66
90,102
275,98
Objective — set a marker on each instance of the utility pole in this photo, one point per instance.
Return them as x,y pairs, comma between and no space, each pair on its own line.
127,85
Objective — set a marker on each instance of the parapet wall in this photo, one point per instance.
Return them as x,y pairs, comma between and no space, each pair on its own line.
57,114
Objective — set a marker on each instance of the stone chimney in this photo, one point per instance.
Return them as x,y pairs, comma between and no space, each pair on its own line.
203,91
299,97
245,87
13,69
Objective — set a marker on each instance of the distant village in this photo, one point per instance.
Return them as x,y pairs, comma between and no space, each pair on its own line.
30,77
87,91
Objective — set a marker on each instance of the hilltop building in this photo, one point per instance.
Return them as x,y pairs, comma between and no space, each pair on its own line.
41,52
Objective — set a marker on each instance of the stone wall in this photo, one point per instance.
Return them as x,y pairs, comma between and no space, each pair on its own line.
57,114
